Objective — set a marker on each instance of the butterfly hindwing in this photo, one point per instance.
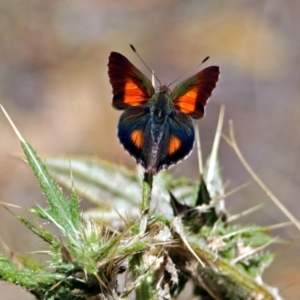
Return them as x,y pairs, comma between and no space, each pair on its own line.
191,95
178,140
131,130
130,86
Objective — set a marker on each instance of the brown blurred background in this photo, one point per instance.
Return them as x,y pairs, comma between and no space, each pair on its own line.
54,84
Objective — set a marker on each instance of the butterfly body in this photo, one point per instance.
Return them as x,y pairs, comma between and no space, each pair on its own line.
156,127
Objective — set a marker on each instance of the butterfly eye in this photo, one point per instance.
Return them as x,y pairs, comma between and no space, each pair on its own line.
164,88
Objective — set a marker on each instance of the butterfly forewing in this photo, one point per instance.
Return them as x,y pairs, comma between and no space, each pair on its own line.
130,86
191,95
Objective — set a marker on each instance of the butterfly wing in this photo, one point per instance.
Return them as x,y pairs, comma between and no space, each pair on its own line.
133,128
130,87
178,141
191,96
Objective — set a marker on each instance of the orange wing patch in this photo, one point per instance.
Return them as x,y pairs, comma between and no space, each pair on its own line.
187,102
137,138
133,95
174,144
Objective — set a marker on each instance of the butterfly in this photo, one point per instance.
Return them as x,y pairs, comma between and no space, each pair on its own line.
156,126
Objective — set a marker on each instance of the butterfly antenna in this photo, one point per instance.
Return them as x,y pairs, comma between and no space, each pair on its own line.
190,71
151,71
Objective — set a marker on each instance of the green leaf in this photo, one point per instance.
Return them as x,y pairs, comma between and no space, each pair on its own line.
203,198
61,211
26,278
114,189
42,233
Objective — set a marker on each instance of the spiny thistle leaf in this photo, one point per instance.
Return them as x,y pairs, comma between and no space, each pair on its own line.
26,277
225,279
197,216
44,234
97,181
203,198
213,178
60,209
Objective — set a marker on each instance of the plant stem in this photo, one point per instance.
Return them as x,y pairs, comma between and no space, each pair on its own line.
233,144
146,199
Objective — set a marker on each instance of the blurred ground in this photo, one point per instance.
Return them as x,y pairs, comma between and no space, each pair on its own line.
54,84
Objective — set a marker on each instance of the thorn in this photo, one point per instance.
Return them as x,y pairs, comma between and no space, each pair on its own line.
12,125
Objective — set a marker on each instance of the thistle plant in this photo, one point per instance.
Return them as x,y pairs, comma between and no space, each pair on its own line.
148,237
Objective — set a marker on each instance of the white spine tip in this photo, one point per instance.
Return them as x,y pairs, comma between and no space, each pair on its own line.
12,124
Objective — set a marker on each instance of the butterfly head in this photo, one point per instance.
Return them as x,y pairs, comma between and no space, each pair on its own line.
164,89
